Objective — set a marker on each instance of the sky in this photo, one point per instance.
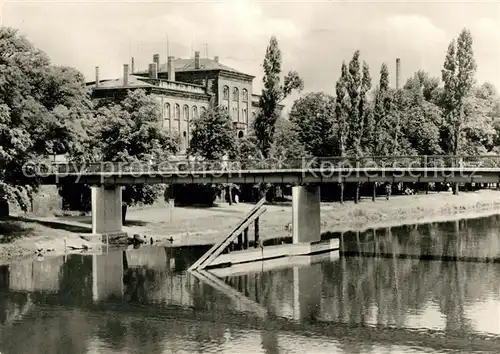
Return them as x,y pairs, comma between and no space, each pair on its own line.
314,36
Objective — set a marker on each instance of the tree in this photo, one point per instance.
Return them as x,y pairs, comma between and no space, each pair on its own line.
342,110
458,76
213,135
420,121
415,115
272,94
352,108
426,84
352,105
384,135
129,131
358,84
314,118
42,108
482,108
286,144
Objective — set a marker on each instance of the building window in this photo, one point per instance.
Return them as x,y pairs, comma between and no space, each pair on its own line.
195,112
225,93
245,95
240,134
177,113
166,110
254,115
203,110
235,94
244,115
186,112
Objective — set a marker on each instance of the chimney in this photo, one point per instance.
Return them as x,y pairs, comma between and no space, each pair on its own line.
125,74
398,72
153,71
216,59
132,68
96,76
171,68
156,59
197,60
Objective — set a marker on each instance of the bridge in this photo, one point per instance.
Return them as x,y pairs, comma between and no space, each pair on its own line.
106,178
443,168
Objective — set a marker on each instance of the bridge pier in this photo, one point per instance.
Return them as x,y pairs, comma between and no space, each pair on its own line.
106,209
306,214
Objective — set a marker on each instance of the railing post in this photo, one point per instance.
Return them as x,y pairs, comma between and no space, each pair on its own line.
245,239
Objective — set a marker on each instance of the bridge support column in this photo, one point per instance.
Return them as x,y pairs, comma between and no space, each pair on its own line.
106,210
306,218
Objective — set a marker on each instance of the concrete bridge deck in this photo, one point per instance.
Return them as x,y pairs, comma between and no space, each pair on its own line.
107,178
465,169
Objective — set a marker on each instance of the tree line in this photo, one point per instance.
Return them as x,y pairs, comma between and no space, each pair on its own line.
451,115
47,110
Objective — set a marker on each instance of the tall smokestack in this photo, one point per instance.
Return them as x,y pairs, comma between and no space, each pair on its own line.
133,66
171,68
96,76
153,71
197,60
156,59
398,72
125,74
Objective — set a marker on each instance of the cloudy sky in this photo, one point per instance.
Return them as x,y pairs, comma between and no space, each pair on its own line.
315,37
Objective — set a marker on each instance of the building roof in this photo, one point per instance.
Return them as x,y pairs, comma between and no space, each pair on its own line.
188,65
133,81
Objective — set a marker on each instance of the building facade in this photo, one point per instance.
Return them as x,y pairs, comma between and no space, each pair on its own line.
185,88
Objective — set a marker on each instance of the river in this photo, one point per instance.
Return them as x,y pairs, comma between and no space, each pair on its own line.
429,288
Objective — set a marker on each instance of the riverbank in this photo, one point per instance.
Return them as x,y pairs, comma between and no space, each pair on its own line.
21,237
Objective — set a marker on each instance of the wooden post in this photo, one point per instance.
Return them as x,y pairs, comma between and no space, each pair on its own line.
229,188
341,192
374,196
240,241
256,226
245,239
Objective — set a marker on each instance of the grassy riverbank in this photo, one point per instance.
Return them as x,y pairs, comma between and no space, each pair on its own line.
20,236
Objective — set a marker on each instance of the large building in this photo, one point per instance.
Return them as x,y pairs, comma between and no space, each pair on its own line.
186,87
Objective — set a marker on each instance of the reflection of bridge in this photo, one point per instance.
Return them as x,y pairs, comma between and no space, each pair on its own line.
308,299
107,177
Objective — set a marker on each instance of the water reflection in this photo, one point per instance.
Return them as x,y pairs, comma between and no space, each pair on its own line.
143,300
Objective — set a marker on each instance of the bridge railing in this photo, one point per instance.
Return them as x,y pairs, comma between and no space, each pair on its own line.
350,162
